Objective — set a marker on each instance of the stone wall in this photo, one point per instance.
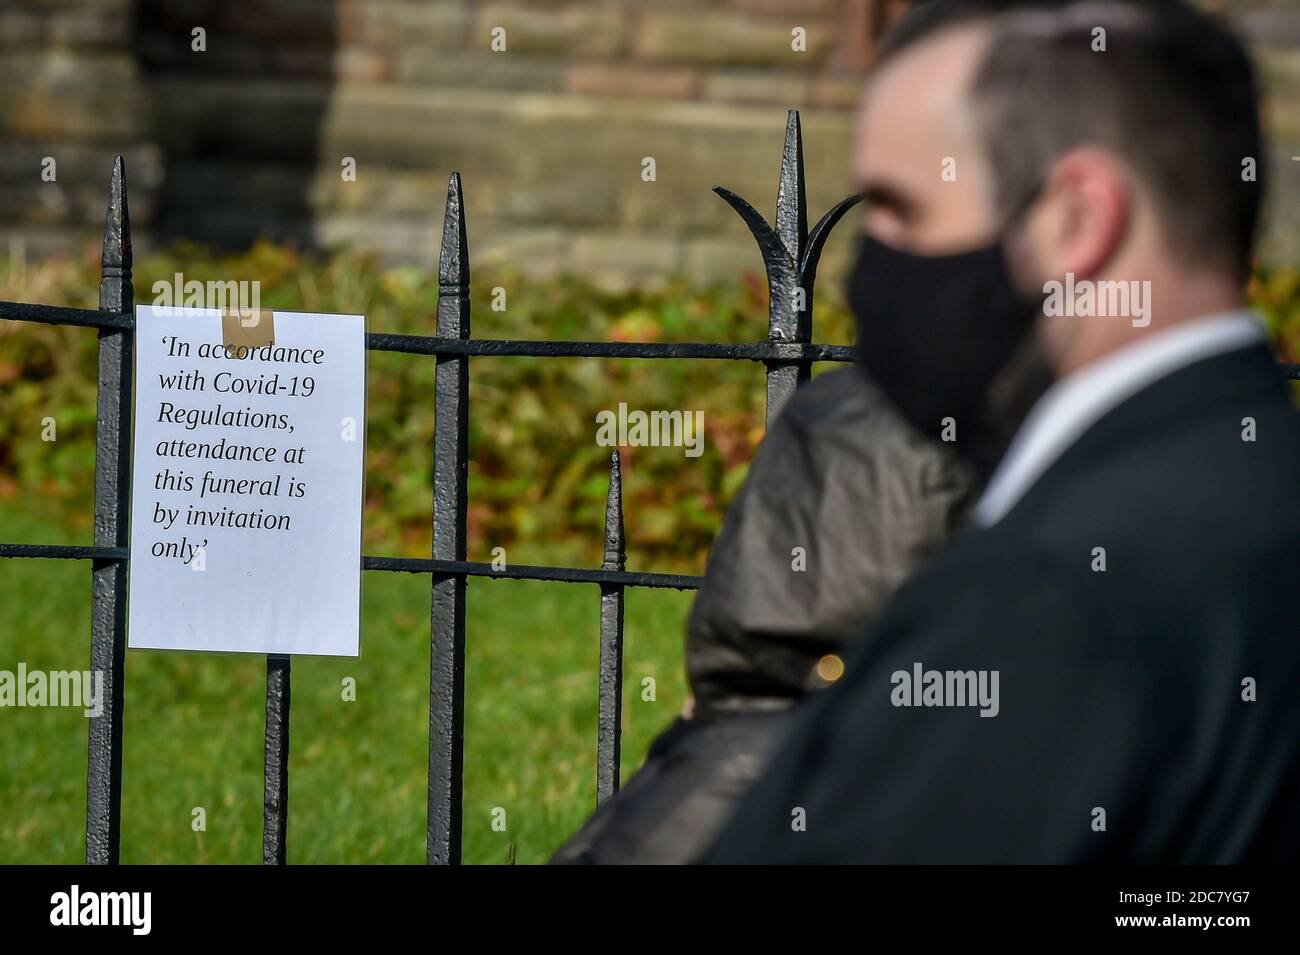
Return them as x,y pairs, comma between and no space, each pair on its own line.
248,136
70,91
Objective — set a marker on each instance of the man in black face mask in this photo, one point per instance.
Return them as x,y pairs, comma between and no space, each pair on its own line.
1062,199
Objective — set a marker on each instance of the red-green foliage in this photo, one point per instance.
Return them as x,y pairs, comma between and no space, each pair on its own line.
538,479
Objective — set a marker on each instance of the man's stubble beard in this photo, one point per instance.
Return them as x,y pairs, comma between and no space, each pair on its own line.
1014,392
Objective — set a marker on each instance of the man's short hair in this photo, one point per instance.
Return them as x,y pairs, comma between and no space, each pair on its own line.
1172,92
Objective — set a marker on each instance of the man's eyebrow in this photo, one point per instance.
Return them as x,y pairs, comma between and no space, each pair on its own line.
883,196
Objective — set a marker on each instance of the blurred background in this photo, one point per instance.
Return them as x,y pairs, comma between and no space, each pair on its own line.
246,138
238,121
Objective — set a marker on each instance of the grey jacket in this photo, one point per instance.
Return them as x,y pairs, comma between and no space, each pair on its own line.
843,502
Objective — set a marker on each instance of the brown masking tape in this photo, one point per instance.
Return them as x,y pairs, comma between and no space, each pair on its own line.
248,328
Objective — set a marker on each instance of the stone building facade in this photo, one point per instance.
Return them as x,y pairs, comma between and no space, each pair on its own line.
239,119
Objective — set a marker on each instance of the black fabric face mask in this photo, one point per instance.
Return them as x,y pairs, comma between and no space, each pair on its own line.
935,333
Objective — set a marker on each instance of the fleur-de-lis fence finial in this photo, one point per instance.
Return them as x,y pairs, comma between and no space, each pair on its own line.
790,254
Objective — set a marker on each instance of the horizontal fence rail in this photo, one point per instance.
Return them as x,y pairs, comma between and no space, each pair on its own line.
495,348
790,252
407,565
516,347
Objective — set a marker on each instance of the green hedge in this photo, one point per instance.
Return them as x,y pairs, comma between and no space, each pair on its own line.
537,477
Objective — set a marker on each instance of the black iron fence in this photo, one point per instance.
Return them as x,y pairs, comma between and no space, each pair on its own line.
790,253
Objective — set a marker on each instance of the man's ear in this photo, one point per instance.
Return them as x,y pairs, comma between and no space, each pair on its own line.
1083,217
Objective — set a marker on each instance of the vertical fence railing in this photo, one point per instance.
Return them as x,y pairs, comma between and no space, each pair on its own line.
275,762
450,506
112,519
789,319
609,729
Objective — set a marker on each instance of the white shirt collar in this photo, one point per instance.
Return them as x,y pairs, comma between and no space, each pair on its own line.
1073,404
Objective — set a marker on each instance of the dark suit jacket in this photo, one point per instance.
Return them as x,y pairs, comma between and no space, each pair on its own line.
1127,728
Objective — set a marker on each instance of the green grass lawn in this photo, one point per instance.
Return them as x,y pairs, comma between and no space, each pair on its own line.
358,770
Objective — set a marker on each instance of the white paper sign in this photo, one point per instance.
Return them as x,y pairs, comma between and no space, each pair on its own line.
246,499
